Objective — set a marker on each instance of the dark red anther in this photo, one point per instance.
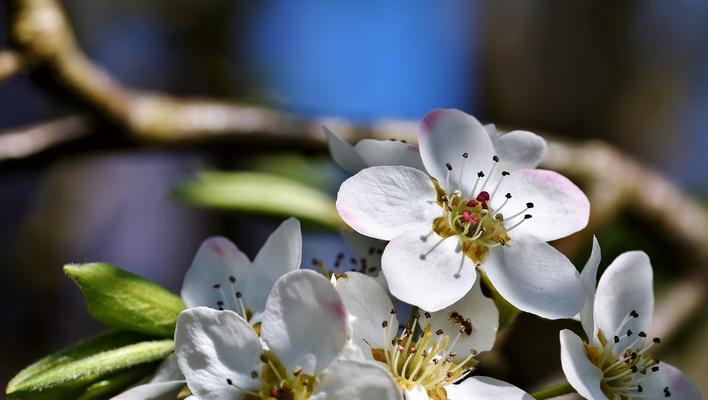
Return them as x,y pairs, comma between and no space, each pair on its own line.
472,203
483,196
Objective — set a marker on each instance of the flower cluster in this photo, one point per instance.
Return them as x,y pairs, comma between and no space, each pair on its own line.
464,210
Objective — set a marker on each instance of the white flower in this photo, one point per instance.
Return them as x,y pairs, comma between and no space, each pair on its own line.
222,277
304,328
484,205
615,363
426,359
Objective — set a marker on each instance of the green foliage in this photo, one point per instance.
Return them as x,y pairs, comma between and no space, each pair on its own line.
126,301
260,193
91,369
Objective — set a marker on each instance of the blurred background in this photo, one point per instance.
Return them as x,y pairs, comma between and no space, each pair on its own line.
631,73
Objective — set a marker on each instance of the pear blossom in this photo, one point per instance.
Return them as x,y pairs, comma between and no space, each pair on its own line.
304,330
436,351
615,362
481,203
222,277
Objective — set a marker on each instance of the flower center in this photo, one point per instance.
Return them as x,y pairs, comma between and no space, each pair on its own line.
418,356
277,383
625,366
470,216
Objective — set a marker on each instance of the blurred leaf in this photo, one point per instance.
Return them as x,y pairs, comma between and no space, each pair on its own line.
507,312
126,301
66,374
260,193
115,384
316,173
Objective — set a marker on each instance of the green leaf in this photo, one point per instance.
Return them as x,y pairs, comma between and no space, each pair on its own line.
260,193
115,384
126,301
68,373
507,312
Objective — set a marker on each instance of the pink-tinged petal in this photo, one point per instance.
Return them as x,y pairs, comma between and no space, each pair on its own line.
305,322
280,254
559,207
485,388
444,136
481,321
356,380
536,278
217,351
519,150
424,270
389,152
582,375
368,306
589,277
383,202
343,153
208,281
669,377
625,286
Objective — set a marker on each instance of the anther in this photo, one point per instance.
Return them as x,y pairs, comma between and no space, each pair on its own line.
480,174
527,216
232,279
529,205
297,371
384,324
427,315
616,339
439,332
465,155
640,388
505,173
254,374
495,158
629,332
483,196
264,358
216,286
238,295
634,314
472,203
393,311
229,381
656,340
642,334
654,368
448,166
508,195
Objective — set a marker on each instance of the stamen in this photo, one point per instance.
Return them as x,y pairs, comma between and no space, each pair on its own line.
491,171
527,216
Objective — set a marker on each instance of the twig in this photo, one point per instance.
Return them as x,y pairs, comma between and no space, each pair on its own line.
36,138
10,64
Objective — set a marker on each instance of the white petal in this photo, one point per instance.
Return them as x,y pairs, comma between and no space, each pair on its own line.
368,306
625,286
343,153
485,388
582,375
589,277
383,202
213,346
355,380
444,135
389,152
431,274
680,386
536,278
559,207
167,371
207,282
152,391
476,309
305,322
280,254
519,149
418,392
491,131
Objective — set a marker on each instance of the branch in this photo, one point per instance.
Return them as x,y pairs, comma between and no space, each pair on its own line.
36,138
10,64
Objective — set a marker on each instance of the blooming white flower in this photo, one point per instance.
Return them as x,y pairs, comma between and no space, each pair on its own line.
427,358
441,228
615,362
304,329
222,277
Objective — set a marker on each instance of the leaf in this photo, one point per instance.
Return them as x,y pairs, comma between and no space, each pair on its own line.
260,193
115,384
66,374
126,301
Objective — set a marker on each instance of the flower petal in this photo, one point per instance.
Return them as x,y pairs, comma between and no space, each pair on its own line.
207,282
389,152
167,371
430,273
582,375
343,153
417,392
589,277
368,306
152,391
476,310
355,380
536,278
216,351
444,135
678,384
559,207
280,254
519,149
482,387
624,287
305,322
383,202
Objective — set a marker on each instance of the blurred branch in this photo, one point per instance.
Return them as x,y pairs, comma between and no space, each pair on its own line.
38,137
10,64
